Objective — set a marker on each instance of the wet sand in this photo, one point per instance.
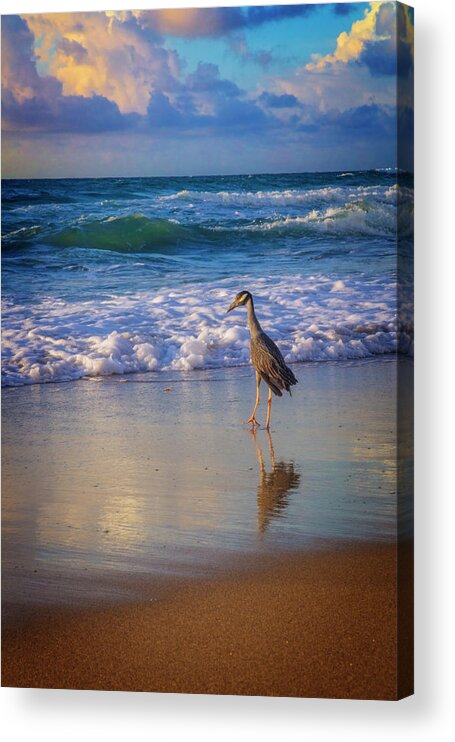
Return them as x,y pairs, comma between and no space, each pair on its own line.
151,543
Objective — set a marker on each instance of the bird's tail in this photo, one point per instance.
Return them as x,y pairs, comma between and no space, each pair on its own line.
290,379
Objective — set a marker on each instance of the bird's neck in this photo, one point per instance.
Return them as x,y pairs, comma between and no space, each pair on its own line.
255,327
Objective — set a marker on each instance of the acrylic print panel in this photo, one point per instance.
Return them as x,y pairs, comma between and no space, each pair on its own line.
203,210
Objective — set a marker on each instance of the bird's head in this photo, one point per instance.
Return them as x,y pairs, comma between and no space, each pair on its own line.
240,300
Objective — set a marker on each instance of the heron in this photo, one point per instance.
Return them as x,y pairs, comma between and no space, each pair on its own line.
266,358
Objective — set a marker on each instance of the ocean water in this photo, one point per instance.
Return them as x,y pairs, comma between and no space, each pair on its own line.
122,275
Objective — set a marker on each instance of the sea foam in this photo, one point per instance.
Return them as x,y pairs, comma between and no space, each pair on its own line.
315,318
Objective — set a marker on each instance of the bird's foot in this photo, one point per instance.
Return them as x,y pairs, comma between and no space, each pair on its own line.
253,421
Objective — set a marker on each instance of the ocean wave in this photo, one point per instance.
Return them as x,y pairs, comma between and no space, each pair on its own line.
316,318
290,196
31,197
129,233
357,217
360,210
23,233
139,234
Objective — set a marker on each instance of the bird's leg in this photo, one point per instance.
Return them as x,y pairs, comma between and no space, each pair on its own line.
269,407
252,418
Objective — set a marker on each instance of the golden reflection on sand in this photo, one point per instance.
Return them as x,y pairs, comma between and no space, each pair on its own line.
113,476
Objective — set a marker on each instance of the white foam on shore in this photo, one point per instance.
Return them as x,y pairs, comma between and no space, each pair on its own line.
313,318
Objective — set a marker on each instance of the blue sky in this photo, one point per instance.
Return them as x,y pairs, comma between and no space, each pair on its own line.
204,91
290,41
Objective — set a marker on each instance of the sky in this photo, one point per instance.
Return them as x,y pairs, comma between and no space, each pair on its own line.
205,91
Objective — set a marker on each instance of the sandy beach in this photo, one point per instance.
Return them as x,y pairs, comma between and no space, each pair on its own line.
310,625
150,542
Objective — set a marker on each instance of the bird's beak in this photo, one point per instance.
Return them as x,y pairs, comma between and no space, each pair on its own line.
233,306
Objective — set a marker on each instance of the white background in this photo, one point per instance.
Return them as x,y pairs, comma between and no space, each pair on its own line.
75,715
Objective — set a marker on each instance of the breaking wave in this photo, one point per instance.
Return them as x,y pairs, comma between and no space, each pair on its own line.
114,276
290,196
131,233
140,233
312,318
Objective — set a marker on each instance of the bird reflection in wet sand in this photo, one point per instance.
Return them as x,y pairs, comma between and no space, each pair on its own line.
274,487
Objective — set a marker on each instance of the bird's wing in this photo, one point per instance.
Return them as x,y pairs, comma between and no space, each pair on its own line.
273,349
267,358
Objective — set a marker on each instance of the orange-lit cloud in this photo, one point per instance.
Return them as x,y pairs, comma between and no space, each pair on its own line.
350,44
102,54
212,22
183,21
373,41
360,70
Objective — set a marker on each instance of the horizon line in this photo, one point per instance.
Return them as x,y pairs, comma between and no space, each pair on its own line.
216,175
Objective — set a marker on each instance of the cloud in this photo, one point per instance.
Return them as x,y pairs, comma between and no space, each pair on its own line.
349,45
373,41
161,112
221,103
121,56
391,51
370,118
64,114
101,54
278,101
214,22
66,99
367,123
19,75
206,79
340,86
239,45
380,52
353,91
73,49
32,102
206,101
